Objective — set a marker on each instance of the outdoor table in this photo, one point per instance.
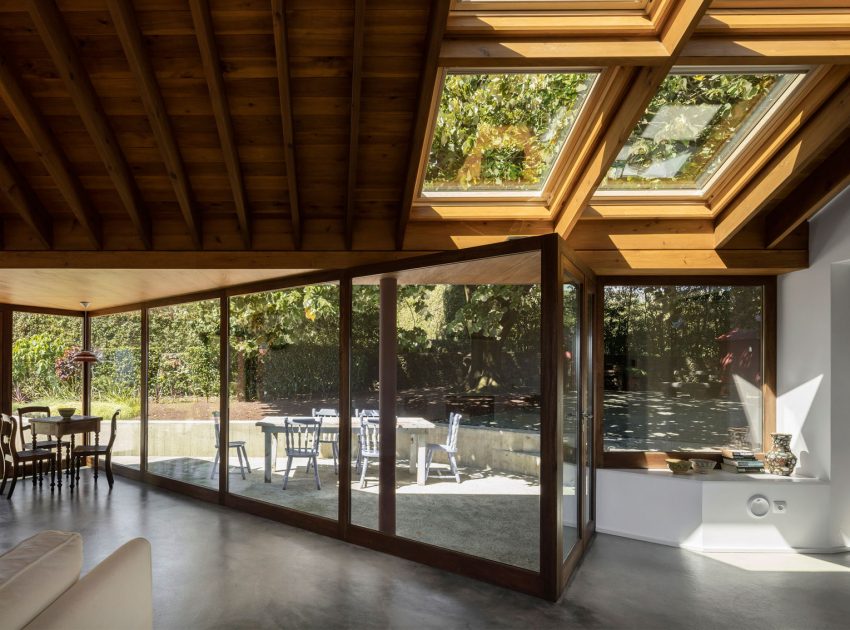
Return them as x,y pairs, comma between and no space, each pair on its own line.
415,427
57,426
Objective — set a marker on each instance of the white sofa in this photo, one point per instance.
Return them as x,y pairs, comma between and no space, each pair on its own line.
41,587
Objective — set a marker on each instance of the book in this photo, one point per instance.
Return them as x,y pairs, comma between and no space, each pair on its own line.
744,463
731,453
738,469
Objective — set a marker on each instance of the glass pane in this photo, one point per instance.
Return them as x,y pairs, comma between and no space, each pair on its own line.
284,354
502,131
588,414
572,409
364,402
183,388
691,127
43,370
116,380
468,436
683,367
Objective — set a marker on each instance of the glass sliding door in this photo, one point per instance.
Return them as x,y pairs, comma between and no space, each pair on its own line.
572,409
284,398
183,391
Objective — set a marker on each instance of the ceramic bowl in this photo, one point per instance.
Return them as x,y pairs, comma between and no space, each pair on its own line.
66,412
679,466
703,465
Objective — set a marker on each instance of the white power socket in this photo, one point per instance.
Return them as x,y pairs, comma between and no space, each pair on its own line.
780,507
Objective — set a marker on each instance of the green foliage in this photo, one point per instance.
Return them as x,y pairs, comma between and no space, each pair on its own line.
501,130
41,356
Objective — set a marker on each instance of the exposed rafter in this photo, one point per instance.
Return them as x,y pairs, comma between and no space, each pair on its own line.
428,78
642,88
58,42
354,128
205,34
20,195
282,63
41,139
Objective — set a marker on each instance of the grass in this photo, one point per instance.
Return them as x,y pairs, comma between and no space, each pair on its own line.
130,409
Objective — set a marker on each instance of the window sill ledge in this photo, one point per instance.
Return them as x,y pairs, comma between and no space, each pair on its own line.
718,475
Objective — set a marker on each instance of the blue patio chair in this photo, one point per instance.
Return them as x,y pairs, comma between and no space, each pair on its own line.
449,448
371,415
369,443
302,442
239,445
332,439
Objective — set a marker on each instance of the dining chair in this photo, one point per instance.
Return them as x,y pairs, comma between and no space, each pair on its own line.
332,439
302,442
25,413
239,445
369,445
14,460
82,451
449,448
373,415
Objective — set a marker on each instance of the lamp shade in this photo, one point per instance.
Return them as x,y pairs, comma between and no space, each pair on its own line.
85,356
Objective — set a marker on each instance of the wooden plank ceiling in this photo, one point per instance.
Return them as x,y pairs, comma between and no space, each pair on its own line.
289,134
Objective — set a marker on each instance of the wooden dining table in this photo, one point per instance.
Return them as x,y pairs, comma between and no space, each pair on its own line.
58,427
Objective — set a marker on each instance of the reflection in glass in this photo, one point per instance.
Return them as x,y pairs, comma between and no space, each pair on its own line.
116,380
183,391
683,366
691,127
572,409
502,131
284,397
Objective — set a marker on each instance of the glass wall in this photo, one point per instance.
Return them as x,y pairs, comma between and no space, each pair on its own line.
572,408
116,380
284,398
683,367
43,370
183,392
468,426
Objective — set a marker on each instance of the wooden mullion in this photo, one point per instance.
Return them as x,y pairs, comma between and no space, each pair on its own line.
86,366
6,359
345,315
285,95
387,394
354,125
23,199
62,49
224,397
769,360
144,387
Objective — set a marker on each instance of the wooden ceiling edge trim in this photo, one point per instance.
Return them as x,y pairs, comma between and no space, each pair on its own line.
208,48
425,102
810,196
44,143
285,95
705,261
62,50
829,124
354,125
23,199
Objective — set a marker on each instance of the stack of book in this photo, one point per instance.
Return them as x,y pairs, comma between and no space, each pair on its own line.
740,461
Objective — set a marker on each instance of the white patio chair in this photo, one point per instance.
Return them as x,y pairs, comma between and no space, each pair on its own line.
369,442
239,445
332,439
302,442
449,448
372,415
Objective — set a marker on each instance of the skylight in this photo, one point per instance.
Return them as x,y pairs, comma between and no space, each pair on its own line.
501,132
691,128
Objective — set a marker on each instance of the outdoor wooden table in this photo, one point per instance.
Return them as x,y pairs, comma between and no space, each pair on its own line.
415,427
57,426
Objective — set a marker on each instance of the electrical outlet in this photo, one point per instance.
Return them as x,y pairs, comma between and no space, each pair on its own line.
780,507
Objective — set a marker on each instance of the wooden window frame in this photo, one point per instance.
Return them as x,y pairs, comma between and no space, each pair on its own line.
655,459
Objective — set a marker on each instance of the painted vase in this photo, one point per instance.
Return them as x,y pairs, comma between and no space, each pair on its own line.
780,460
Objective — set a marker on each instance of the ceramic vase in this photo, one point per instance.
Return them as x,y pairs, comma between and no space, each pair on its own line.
780,460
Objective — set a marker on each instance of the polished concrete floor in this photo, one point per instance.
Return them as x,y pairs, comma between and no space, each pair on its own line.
217,568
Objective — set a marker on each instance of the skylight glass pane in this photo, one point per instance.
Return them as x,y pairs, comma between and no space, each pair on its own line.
502,132
691,127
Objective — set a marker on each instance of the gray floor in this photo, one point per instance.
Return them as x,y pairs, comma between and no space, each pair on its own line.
277,576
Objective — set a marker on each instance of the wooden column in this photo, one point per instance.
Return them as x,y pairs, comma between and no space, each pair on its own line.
224,406
388,339
86,365
5,359
143,394
344,405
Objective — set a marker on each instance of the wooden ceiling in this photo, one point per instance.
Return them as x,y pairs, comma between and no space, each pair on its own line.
288,134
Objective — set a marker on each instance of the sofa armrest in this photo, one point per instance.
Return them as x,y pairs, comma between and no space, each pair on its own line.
117,593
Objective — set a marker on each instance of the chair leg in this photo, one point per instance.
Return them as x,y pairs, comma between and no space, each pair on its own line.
335,451
428,457
453,464
96,467
70,470
5,477
34,475
316,474
286,474
14,483
245,455
215,464
364,465
241,467
76,477
53,471
109,478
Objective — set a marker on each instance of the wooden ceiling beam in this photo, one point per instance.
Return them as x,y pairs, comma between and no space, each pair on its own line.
354,125
205,34
283,86
22,198
725,22
751,50
547,24
823,131
551,52
830,178
631,106
425,104
41,139
60,45
690,262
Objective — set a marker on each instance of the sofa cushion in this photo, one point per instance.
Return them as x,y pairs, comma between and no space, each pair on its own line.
35,573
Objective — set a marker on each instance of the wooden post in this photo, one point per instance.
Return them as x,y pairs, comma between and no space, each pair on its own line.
387,363
143,394
5,359
223,396
86,365
345,292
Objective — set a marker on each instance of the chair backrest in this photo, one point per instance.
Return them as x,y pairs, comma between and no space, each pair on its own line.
113,429
325,413
8,428
216,416
369,413
454,425
370,435
26,412
302,435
